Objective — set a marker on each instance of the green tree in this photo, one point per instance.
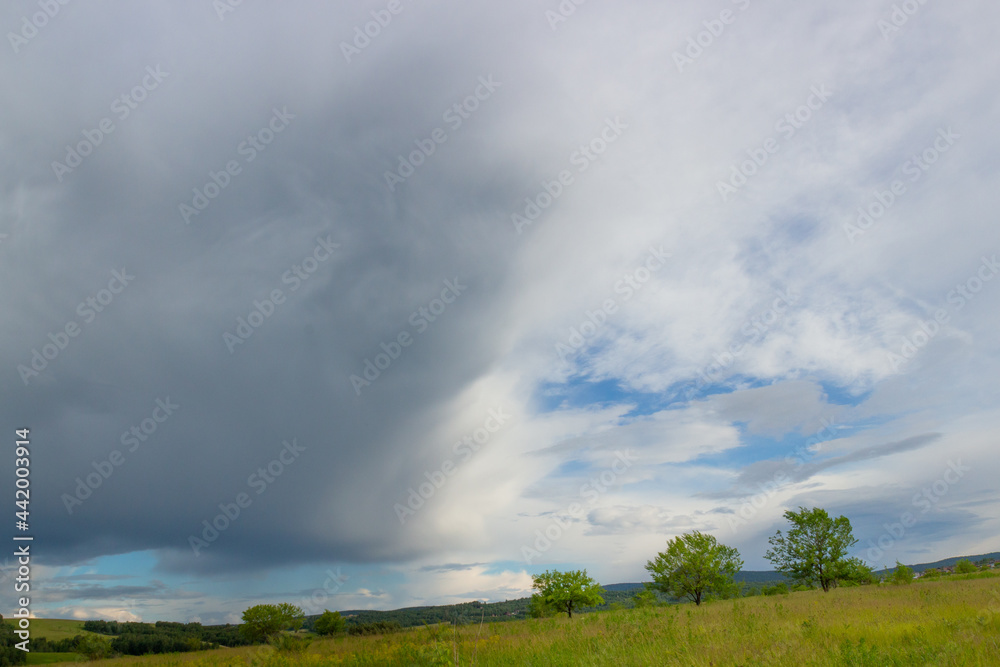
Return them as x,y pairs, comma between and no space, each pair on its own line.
815,548
330,623
901,575
539,608
646,597
857,573
965,566
94,647
264,622
9,653
565,591
695,565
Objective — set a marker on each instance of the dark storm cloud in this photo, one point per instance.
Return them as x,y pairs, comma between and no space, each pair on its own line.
161,335
55,591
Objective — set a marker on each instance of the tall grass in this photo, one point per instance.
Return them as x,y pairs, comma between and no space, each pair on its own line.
954,621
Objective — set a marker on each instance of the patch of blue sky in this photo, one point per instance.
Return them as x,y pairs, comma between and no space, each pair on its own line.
840,395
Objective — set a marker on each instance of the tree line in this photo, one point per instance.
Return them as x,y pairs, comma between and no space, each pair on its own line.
695,566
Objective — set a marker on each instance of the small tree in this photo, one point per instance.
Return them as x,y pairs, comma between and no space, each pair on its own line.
857,573
539,608
264,622
646,597
815,548
330,623
965,566
695,565
901,575
567,590
94,647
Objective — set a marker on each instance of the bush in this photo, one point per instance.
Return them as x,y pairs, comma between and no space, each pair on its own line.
965,566
901,575
777,589
93,647
291,643
376,628
645,598
330,623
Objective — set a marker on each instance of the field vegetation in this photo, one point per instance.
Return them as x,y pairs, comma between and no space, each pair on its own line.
953,620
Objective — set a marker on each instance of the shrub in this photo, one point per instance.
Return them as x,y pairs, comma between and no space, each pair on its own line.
376,628
965,566
901,575
778,589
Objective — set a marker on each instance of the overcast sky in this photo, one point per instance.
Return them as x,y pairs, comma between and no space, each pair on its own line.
439,295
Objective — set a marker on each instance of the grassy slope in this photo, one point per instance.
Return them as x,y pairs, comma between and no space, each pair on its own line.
954,621
54,629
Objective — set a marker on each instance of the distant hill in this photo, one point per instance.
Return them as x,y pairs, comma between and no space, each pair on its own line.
949,562
746,576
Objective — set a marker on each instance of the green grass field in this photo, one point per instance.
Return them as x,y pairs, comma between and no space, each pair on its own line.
54,629
953,621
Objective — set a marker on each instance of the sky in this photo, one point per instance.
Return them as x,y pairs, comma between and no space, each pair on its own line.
382,304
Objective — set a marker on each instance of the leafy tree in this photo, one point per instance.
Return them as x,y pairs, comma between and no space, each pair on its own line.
376,628
646,597
265,621
330,623
965,566
695,565
93,647
780,588
857,573
9,654
566,590
539,608
901,575
815,548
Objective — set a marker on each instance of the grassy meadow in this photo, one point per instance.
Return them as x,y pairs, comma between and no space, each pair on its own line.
952,621
55,629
